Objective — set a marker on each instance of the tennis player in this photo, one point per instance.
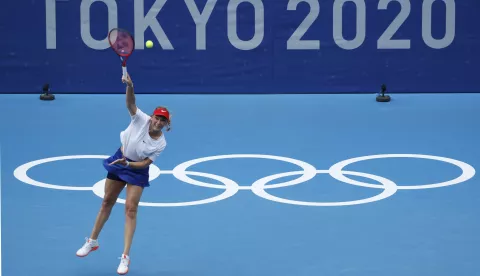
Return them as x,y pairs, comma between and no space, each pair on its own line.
141,143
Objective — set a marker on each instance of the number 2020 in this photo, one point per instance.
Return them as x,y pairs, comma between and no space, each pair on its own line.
385,41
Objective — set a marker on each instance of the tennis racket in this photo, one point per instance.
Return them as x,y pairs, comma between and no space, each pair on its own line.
122,43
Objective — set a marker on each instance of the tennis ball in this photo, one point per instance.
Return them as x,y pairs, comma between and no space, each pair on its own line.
149,44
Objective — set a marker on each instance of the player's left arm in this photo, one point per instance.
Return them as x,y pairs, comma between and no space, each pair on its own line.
147,161
140,164
135,165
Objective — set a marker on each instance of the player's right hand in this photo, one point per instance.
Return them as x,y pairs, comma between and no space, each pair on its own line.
127,80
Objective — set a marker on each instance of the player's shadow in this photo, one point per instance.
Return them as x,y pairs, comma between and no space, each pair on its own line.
139,272
170,273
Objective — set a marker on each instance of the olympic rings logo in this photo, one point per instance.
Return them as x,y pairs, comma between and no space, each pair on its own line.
260,186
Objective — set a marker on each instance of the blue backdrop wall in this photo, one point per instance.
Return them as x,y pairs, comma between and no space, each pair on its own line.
243,46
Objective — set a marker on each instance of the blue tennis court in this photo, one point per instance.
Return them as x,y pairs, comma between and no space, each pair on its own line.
275,185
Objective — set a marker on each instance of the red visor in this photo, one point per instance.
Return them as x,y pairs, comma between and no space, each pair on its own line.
162,112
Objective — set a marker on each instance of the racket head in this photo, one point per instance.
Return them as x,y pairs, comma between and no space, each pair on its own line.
122,43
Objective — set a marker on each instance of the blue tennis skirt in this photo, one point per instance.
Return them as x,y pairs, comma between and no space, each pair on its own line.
139,177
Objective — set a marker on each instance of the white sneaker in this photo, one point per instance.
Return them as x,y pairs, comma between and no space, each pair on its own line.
123,266
89,246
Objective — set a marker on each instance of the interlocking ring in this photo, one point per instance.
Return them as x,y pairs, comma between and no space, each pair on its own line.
467,170
260,186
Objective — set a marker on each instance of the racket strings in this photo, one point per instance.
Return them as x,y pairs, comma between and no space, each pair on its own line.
121,42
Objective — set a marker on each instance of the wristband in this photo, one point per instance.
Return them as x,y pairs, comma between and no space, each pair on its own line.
128,163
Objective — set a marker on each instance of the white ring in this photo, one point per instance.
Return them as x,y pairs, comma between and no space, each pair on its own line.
230,187
179,171
21,172
467,171
389,186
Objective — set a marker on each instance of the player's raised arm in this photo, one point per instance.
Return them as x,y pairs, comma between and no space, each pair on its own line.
130,95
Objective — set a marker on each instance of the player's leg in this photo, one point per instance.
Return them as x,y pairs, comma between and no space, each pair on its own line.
113,188
134,193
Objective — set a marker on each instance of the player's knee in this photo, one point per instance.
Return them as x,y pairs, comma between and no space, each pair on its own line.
131,209
108,203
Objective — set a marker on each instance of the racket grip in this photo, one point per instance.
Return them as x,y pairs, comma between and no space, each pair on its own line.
124,68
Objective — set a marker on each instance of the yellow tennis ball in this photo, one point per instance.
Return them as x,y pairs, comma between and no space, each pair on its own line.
149,44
